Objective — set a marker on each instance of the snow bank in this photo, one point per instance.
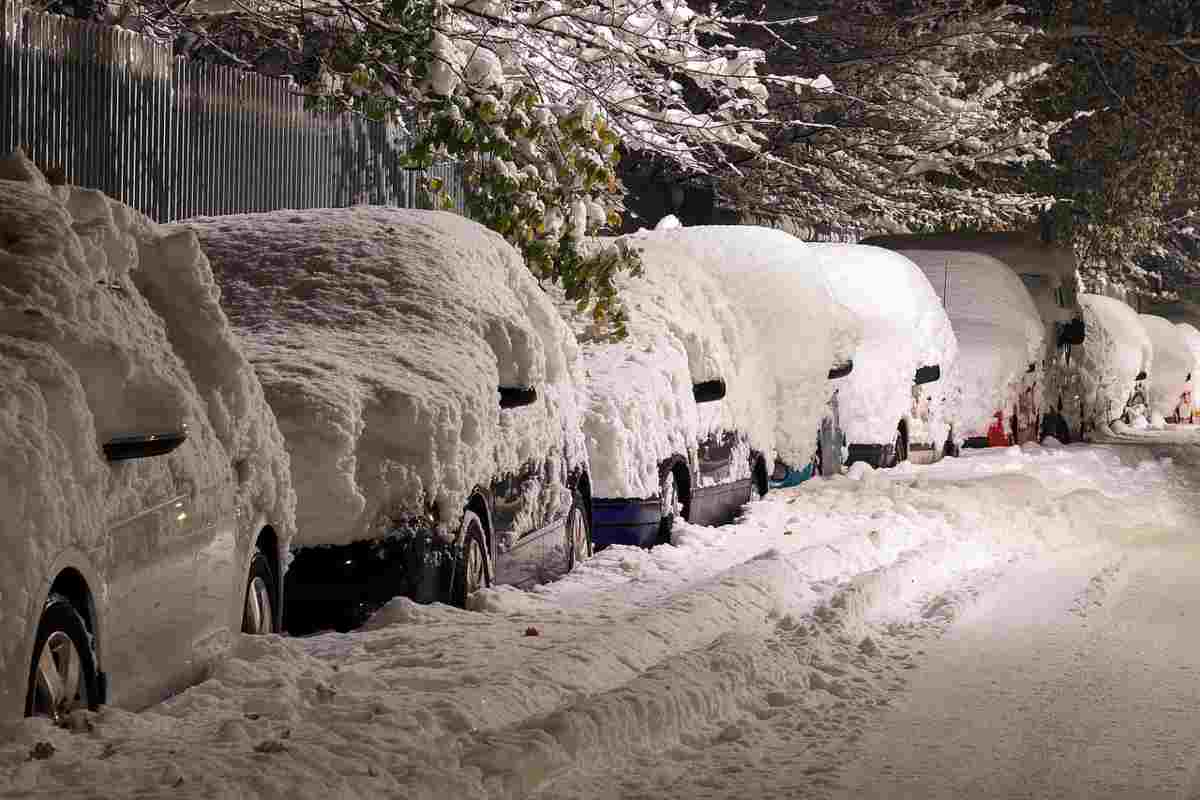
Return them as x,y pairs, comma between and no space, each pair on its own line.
86,357
1115,350
1172,365
999,331
774,282
380,336
682,330
904,328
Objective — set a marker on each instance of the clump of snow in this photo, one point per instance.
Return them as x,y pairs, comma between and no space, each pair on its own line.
904,328
1171,367
775,282
381,336
92,347
999,331
1115,350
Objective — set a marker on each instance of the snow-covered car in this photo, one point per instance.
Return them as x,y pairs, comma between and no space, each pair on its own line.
992,392
888,405
428,395
1171,369
1111,366
1185,411
680,414
147,503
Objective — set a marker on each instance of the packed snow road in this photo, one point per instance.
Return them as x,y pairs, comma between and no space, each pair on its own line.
1013,623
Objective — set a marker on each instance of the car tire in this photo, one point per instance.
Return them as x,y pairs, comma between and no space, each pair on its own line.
900,448
669,505
261,607
471,571
578,533
62,675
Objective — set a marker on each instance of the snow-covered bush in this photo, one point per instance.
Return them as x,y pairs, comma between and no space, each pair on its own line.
381,336
904,328
1171,370
110,327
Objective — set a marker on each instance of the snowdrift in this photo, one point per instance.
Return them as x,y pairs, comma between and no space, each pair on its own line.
381,336
904,328
110,326
1117,349
1171,368
999,332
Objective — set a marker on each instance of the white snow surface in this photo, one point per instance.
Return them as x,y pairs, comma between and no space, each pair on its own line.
109,326
998,328
904,327
381,336
774,281
1173,361
1115,349
752,655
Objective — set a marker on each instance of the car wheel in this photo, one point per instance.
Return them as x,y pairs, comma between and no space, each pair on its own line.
471,573
669,505
579,538
62,677
900,449
258,614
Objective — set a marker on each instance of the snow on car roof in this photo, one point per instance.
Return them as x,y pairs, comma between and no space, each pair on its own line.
1115,350
1191,338
904,328
1172,364
381,336
772,279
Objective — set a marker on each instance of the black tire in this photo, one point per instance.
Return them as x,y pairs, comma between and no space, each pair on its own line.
577,532
761,482
818,461
62,675
260,608
471,571
900,448
669,501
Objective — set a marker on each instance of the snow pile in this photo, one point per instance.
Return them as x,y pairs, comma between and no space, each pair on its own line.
773,281
381,336
85,358
904,328
682,331
998,328
1171,369
1115,350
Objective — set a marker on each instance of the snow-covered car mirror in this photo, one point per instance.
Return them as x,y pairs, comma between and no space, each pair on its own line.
124,448
1141,376
841,370
927,374
1072,332
708,391
517,396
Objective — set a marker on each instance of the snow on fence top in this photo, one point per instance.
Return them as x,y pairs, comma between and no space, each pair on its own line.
774,281
381,336
1172,365
682,330
108,329
904,328
1116,349
999,330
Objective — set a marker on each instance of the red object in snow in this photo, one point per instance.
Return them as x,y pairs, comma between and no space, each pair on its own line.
532,631
997,437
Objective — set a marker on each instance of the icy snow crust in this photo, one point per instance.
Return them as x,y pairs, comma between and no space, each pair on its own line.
109,326
380,336
1115,350
774,281
999,332
904,328
1173,361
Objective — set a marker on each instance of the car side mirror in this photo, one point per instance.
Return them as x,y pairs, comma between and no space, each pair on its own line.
841,370
1072,332
927,374
1141,376
517,396
708,391
125,448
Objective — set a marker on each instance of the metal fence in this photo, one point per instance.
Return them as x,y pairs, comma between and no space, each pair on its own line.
116,111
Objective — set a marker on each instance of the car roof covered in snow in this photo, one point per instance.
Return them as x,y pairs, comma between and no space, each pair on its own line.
381,336
1115,350
1172,365
1191,337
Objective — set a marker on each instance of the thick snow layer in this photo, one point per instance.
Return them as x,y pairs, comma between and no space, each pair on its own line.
774,281
109,326
999,331
904,328
1115,350
753,655
1191,337
1172,365
682,330
380,336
